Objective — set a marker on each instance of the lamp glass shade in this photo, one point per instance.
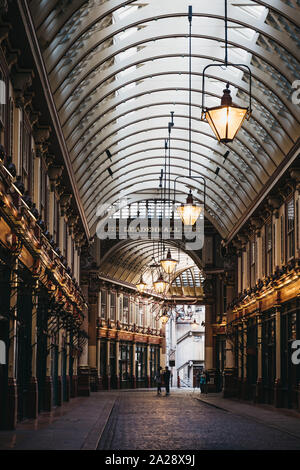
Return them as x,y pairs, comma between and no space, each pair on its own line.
141,285
160,285
189,213
225,121
164,319
168,264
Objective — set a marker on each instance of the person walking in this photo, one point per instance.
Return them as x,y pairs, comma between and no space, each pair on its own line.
198,375
203,383
167,375
158,380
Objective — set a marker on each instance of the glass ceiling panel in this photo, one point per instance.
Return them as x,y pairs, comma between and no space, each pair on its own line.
117,69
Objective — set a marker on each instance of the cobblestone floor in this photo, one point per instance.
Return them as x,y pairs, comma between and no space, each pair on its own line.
145,421
139,420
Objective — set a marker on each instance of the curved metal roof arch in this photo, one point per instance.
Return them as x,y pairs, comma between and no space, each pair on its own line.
96,84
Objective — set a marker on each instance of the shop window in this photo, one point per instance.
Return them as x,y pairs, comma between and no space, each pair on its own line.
141,361
125,361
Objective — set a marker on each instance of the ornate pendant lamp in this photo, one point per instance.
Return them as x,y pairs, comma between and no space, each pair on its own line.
189,212
168,264
141,285
160,285
226,119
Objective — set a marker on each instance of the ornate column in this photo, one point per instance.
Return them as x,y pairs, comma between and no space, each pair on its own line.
209,347
99,384
32,405
117,362
245,391
240,358
83,369
48,380
278,398
259,383
108,364
229,389
148,365
93,313
12,396
133,363
59,369
68,385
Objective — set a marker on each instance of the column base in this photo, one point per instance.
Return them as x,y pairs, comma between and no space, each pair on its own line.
148,381
278,397
133,381
229,384
47,402
68,388
118,384
59,391
108,382
32,398
259,392
212,385
99,383
74,386
84,389
244,390
12,404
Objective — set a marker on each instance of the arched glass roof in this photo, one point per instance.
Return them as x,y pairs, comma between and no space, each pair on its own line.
128,259
116,70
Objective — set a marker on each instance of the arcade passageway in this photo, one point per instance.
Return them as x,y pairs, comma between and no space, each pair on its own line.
149,218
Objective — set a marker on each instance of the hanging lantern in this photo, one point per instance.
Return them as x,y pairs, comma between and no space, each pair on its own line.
141,285
226,120
160,285
164,318
168,264
189,212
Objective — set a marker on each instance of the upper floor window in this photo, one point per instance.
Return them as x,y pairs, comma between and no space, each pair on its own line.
269,249
125,309
103,304
290,228
253,256
113,306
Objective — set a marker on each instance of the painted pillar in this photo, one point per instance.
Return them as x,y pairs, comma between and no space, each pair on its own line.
92,345
277,386
133,364
68,385
209,348
259,383
12,397
148,366
244,331
59,369
83,369
108,377
32,408
117,363
47,406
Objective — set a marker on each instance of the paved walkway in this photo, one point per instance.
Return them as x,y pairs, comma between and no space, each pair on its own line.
138,419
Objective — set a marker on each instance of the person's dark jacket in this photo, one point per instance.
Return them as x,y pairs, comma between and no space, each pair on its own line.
167,375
